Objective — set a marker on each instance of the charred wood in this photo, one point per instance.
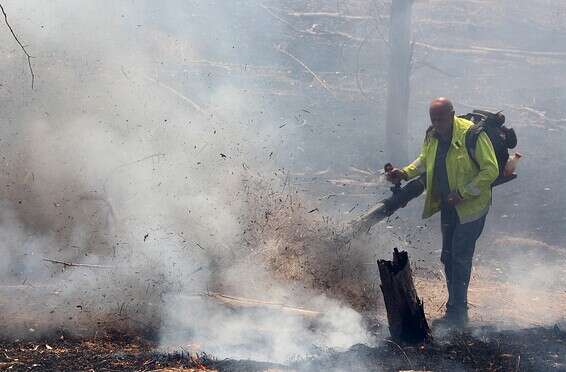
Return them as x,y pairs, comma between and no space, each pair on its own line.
405,311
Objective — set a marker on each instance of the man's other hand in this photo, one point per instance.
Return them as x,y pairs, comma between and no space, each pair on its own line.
395,175
454,199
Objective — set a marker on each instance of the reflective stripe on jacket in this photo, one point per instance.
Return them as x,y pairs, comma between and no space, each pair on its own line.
473,184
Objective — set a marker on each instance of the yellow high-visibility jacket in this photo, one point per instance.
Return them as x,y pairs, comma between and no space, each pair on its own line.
473,184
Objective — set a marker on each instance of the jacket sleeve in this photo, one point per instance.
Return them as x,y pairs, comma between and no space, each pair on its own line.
417,167
488,172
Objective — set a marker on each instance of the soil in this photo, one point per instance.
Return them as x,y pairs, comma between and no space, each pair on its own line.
477,349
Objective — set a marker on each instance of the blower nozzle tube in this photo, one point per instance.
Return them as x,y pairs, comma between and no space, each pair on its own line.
399,199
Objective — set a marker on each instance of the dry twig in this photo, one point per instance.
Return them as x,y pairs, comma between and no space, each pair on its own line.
178,94
28,56
307,68
403,351
434,68
77,264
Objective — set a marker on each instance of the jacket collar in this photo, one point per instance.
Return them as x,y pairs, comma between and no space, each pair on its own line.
459,131
459,127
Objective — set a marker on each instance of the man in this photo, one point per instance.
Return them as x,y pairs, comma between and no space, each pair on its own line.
460,190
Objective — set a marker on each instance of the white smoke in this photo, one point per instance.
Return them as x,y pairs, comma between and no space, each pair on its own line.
117,164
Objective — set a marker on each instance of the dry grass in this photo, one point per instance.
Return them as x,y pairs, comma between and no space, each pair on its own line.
298,245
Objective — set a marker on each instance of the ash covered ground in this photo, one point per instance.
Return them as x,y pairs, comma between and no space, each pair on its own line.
176,187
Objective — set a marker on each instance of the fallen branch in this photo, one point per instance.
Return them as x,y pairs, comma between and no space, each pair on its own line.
178,94
152,156
248,302
307,68
323,33
121,166
77,264
473,106
327,196
238,66
434,68
362,171
444,22
351,182
479,50
28,56
311,31
331,15
540,114
281,19
522,52
10,365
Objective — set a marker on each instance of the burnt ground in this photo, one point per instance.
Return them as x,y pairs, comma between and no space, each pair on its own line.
117,353
67,354
479,349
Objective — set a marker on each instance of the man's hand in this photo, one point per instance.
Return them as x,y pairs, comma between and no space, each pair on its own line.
454,199
395,176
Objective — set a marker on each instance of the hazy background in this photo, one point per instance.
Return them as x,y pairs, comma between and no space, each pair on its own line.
184,143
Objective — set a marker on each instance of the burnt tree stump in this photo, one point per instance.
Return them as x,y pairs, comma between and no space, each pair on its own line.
405,311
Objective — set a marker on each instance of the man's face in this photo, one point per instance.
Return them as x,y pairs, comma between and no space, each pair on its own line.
441,119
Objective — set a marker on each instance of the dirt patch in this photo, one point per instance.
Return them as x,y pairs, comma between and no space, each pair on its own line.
492,302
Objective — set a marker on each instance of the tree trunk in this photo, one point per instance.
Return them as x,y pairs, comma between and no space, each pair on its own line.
397,127
405,311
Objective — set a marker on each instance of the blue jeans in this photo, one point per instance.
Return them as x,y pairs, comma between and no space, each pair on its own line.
458,246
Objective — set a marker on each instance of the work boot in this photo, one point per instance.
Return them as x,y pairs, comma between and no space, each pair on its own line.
445,322
452,319
461,319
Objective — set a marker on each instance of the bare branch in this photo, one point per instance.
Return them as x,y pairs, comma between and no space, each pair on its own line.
28,56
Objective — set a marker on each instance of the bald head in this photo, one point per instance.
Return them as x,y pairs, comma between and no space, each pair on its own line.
442,116
442,104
